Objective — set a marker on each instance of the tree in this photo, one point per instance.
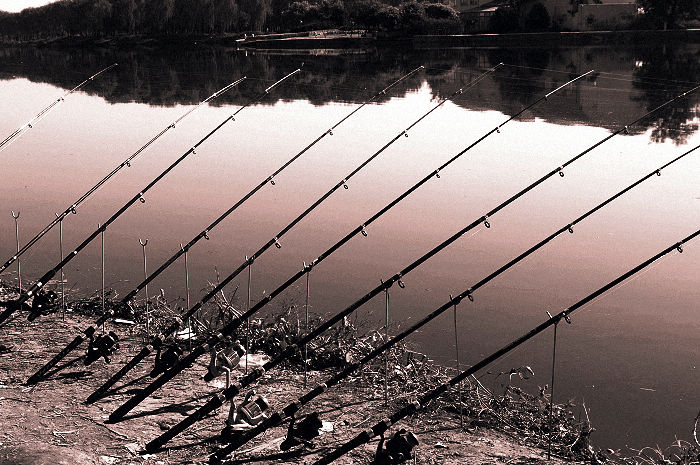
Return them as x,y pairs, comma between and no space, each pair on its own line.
122,18
669,13
226,13
253,14
157,15
412,16
537,19
504,19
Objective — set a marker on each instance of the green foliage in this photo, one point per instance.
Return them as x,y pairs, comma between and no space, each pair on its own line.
537,19
664,14
412,16
440,11
375,16
504,20
196,17
304,15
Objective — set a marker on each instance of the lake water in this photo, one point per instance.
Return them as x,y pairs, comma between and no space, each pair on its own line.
631,355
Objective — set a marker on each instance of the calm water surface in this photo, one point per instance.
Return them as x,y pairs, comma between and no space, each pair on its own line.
631,355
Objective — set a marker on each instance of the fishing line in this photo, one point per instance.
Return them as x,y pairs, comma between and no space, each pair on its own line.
39,116
433,394
233,390
126,163
628,281
202,348
468,294
204,234
138,197
608,74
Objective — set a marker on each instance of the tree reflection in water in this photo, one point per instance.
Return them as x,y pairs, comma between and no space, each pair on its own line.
627,82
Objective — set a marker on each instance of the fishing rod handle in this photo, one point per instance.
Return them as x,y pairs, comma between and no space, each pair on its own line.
218,399
11,307
100,392
247,435
39,375
274,241
332,456
156,384
271,364
215,402
226,395
145,351
408,410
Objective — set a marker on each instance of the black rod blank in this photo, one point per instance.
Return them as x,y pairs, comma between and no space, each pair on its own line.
140,196
431,316
269,179
203,348
565,314
190,358
90,330
170,330
126,163
233,390
28,125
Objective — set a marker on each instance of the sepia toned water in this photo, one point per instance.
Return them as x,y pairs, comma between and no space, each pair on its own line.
631,355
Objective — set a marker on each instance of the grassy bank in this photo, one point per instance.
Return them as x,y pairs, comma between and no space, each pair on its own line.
478,424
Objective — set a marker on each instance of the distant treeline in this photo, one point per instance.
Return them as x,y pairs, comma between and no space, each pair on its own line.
97,18
186,75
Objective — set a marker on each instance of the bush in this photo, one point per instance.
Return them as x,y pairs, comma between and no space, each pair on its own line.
504,20
412,16
374,15
537,19
440,11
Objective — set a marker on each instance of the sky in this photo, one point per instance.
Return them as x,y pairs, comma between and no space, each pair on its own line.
18,5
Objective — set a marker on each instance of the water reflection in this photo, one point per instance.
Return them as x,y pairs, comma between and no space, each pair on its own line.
630,81
662,71
607,355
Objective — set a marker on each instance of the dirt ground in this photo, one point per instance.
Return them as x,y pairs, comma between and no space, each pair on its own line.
49,423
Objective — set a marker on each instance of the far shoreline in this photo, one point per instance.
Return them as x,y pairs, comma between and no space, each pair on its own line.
335,39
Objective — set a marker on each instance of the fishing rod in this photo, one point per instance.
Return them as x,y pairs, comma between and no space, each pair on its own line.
126,163
91,330
204,347
565,314
233,390
468,294
29,124
138,197
158,340
228,329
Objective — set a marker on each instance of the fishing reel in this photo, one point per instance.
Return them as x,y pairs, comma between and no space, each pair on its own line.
166,358
42,303
398,449
224,359
101,346
250,413
307,429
